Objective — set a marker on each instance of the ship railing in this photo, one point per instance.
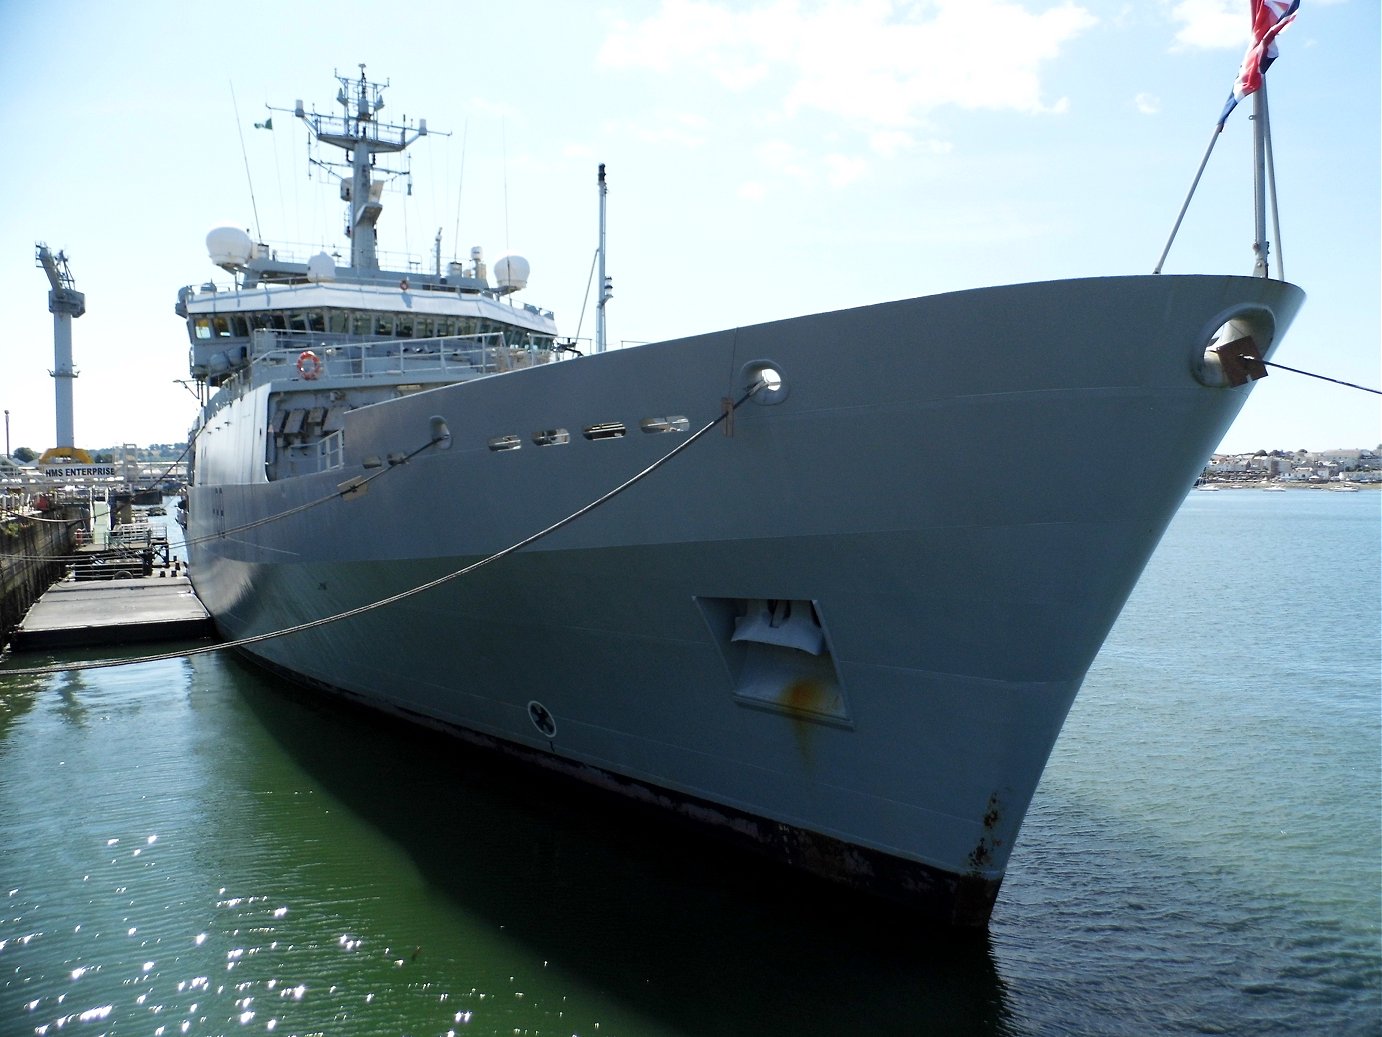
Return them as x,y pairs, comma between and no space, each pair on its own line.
130,537
277,355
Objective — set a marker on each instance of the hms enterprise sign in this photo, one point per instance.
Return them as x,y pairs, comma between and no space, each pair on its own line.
80,471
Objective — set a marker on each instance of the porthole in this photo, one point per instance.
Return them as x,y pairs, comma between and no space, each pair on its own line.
498,443
605,430
552,437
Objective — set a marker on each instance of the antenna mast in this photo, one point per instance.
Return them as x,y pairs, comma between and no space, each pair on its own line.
361,136
606,285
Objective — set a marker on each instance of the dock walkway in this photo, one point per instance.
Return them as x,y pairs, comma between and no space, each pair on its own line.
82,613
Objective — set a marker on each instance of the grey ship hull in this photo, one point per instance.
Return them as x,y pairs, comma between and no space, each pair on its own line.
966,487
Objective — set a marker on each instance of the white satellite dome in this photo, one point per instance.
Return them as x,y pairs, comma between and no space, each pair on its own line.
229,246
511,272
321,267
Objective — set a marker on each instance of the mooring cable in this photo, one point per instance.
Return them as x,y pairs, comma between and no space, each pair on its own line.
96,664
1308,374
349,487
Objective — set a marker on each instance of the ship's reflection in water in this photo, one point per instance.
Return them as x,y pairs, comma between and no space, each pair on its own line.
632,917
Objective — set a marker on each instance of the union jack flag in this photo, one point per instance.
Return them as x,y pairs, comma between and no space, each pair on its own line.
1269,17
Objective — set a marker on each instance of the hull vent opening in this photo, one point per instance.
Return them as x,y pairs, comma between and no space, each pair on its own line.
777,655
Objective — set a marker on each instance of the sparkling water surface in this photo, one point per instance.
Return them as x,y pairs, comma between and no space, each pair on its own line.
193,847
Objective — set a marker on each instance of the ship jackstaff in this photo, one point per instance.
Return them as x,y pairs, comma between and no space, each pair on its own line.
816,633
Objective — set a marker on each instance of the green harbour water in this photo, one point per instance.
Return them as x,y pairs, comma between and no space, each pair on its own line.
194,847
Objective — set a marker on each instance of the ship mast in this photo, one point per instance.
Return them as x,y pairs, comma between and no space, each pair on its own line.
1264,186
360,134
606,286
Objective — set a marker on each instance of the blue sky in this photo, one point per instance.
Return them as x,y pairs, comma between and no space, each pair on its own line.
765,159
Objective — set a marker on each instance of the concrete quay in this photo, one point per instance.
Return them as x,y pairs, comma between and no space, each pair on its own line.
84,613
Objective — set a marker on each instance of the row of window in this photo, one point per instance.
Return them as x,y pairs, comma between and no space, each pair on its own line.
358,323
601,430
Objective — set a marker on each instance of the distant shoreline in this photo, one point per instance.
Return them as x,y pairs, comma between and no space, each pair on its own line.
1337,487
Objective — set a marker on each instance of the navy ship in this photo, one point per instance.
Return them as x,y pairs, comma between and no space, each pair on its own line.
748,577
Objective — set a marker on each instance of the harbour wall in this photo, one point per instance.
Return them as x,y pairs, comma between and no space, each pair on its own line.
33,554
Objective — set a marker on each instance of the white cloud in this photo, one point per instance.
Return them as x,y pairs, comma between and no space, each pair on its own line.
1147,104
784,158
691,31
878,61
1211,24
843,170
686,131
891,142
860,78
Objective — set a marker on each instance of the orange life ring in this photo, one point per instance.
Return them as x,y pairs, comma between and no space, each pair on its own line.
309,365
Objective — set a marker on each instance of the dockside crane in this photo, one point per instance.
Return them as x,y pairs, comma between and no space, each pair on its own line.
64,303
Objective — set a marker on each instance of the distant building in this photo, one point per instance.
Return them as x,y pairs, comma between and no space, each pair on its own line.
1344,465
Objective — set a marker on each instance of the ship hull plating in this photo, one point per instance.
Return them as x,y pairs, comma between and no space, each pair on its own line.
955,494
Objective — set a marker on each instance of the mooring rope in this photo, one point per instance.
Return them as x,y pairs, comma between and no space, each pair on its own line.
96,664
1309,374
350,486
